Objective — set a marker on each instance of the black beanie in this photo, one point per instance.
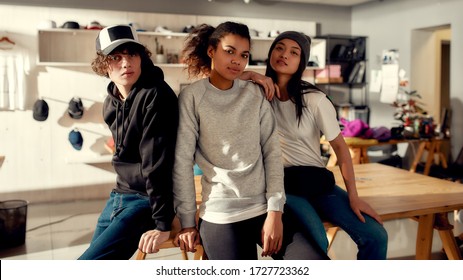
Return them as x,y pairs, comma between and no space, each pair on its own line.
300,38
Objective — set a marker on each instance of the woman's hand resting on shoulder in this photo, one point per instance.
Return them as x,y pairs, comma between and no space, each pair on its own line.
267,84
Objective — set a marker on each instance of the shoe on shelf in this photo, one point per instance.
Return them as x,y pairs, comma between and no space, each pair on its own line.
162,29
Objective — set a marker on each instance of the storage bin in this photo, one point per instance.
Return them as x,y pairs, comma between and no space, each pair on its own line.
13,216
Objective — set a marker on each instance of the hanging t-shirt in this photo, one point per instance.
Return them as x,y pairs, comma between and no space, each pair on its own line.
14,66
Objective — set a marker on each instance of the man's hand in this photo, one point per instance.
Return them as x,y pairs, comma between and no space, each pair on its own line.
151,240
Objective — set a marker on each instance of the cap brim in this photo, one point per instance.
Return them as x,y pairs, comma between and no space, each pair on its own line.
39,118
77,146
116,44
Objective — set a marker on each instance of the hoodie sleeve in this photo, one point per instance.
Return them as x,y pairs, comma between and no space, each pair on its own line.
157,147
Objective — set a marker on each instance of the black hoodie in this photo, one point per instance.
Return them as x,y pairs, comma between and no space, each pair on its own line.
144,128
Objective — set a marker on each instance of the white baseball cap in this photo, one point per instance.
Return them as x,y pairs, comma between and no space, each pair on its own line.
112,37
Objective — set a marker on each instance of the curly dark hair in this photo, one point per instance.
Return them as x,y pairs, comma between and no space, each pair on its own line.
195,50
100,63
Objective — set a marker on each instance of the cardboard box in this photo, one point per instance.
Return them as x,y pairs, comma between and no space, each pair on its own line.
325,80
332,71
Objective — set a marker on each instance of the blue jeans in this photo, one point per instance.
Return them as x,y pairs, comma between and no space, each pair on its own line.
371,237
123,220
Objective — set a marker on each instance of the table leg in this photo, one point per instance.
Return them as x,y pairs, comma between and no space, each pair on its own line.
430,157
356,154
424,237
364,155
418,155
445,230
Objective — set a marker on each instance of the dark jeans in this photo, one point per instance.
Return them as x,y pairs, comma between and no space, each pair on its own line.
333,206
123,220
238,241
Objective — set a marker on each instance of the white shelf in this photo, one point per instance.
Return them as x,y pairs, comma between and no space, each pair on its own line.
161,34
61,47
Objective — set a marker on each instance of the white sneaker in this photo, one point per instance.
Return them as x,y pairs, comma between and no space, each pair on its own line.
162,29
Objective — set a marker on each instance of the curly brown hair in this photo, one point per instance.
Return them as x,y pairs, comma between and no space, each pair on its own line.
195,50
100,63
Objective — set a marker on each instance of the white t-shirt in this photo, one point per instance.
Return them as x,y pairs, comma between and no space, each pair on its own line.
300,143
14,65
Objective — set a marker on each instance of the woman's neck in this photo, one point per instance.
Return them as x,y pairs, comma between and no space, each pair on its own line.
220,82
283,86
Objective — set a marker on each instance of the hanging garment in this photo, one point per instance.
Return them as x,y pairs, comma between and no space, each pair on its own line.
14,66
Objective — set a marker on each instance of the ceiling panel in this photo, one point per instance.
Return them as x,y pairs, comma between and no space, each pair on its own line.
327,2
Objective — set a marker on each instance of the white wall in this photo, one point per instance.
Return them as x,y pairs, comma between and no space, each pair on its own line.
389,25
38,155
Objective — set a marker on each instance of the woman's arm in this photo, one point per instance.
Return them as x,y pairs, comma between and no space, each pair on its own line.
346,167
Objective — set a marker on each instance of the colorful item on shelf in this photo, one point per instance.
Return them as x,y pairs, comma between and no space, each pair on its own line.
76,139
94,25
76,108
40,110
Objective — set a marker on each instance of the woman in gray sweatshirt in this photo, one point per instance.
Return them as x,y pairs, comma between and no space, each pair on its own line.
227,128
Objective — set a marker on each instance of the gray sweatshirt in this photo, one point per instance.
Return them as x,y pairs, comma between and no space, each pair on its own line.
232,136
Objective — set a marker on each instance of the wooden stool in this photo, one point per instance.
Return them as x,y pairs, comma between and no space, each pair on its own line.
331,231
169,243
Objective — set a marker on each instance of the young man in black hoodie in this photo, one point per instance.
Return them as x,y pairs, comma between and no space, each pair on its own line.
141,111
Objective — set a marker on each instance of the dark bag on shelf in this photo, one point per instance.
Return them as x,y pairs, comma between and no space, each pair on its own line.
308,181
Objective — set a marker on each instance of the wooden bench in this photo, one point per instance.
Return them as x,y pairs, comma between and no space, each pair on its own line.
169,243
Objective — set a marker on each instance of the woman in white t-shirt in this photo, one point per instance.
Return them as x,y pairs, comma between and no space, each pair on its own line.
303,114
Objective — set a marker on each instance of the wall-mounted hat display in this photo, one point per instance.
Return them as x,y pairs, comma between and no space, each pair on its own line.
76,108
40,110
76,139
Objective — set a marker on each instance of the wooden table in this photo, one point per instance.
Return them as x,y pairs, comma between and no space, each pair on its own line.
358,148
396,193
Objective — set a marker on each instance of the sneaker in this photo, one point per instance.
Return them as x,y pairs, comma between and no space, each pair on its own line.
188,29
162,29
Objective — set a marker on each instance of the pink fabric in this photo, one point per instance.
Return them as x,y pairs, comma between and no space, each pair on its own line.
356,128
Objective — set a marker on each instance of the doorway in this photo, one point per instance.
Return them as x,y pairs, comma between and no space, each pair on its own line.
430,71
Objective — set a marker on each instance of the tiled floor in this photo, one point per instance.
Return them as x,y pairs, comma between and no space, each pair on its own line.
62,231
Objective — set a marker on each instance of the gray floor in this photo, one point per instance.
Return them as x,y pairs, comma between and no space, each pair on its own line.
62,231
